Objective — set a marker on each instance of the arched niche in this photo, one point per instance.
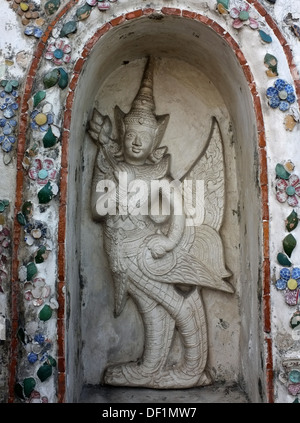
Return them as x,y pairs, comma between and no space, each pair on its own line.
197,75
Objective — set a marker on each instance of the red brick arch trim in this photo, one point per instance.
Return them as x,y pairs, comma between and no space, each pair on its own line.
64,173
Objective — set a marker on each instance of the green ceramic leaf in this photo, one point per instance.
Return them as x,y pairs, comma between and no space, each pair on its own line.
49,139
52,6
51,361
283,260
27,208
51,78
291,221
295,320
63,79
45,194
289,243
8,87
44,372
68,28
21,219
264,36
46,313
38,97
83,12
294,376
39,258
19,390
31,270
29,385
281,172
270,62
225,3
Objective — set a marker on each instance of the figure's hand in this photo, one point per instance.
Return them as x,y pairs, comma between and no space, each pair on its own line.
159,245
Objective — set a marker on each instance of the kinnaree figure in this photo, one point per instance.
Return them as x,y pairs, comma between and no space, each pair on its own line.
161,255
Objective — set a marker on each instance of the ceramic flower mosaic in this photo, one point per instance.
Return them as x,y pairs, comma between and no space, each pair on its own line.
58,52
36,291
101,4
8,121
41,120
35,31
9,87
243,15
42,171
4,245
36,398
289,282
6,142
281,95
35,232
288,190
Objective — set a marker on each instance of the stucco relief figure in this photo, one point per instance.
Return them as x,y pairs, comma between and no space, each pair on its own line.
160,254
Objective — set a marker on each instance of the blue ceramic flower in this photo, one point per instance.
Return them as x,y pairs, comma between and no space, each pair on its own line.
6,142
8,104
7,125
281,95
33,30
286,275
32,357
289,283
37,230
39,338
41,121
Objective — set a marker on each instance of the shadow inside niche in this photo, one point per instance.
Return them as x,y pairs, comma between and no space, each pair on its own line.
217,393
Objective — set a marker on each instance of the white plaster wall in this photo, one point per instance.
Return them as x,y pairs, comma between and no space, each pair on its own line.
228,80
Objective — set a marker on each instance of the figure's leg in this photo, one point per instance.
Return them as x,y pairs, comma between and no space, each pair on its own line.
158,335
191,324
188,313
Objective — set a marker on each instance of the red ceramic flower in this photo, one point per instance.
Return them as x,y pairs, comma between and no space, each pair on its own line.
242,16
59,52
288,190
37,291
42,171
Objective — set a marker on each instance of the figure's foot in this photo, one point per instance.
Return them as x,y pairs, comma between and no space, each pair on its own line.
178,379
205,379
130,374
134,375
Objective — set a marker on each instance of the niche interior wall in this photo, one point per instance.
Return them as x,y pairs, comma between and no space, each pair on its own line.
95,44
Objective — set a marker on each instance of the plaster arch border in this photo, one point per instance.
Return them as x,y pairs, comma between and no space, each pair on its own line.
61,255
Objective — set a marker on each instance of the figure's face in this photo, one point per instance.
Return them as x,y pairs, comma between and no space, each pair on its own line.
138,143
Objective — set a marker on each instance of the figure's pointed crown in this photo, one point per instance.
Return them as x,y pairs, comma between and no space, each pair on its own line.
142,113
143,107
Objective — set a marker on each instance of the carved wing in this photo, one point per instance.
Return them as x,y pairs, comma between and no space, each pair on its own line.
182,268
207,244
199,257
208,170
